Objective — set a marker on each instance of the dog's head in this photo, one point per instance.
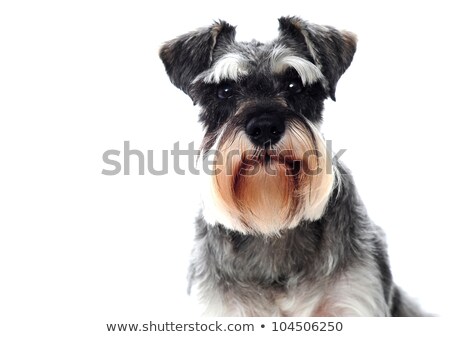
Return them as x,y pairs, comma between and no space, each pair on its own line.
261,107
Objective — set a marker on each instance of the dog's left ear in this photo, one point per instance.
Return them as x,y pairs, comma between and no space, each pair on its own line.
332,50
190,54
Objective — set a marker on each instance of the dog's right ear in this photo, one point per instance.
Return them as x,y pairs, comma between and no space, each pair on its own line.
190,54
332,50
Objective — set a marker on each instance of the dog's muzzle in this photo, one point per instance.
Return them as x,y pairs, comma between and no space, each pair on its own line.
272,174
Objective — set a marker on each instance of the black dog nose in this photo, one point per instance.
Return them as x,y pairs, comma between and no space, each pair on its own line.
265,129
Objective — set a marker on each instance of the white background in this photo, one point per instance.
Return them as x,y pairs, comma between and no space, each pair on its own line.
79,249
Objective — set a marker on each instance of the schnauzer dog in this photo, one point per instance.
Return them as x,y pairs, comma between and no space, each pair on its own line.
282,230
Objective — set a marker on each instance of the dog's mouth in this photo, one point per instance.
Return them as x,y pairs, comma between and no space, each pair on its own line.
265,156
270,157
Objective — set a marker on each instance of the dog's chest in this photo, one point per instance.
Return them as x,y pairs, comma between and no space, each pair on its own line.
259,302
354,294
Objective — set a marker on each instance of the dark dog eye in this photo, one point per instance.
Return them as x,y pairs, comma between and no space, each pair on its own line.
294,86
224,90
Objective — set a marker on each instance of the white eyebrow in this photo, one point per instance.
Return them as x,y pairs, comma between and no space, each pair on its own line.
228,67
283,58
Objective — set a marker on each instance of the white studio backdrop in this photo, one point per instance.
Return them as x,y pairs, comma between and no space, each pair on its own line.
79,249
